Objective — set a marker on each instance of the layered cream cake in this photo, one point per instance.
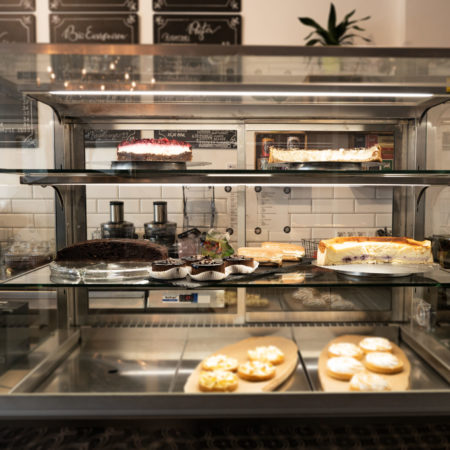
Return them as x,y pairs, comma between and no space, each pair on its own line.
280,155
154,150
373,250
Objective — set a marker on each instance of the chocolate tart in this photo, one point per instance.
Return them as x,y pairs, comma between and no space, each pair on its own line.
240,260
189,260
208,265
167,264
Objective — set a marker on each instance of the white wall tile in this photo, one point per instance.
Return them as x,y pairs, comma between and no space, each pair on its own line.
94,220
173,206
222,206
171,192
354,192
299,205
7,191
323,233
295,236
16,220
251,236
354,220
177,218
311,220
373,205
332,206
142,192
91,205
32,206
385,192
5,234
312,192
383,220
96,191
129,206
40,192
44,220
5,206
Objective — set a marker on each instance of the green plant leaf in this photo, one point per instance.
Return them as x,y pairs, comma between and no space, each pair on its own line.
310,23
355,27
332,19
350,14
309,35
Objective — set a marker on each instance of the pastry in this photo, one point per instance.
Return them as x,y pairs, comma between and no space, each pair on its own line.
256,301
343,367
167,264
189,260
364,381
217,381
345,349
280,155
375,344
112,250
373,250
220,362
269,354
339,303
154,150
238,260
290,252
310,298
262,255
256,371
383,362
208,265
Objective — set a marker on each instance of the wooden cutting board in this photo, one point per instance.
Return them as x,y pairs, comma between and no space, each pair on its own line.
398,381
239,351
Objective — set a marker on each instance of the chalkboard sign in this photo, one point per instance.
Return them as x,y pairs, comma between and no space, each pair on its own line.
202,139
91,28
18,118
182,29
17,28
197,5
97,5
17,5
109,138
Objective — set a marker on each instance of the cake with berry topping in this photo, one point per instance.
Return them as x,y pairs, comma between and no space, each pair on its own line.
163,150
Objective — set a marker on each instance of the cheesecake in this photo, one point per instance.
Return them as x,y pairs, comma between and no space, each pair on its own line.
373,250
290,252
353,155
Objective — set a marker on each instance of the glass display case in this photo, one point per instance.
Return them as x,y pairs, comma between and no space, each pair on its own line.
96,345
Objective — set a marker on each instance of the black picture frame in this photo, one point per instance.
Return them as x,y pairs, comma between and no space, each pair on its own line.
17,5
197,5
85,6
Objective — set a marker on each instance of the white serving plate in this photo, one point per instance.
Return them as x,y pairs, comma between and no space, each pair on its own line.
380,270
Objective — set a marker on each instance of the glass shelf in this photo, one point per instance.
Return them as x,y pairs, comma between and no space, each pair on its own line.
232,177
294,275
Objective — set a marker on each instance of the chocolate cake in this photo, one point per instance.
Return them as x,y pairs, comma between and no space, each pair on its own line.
163,150
189,260
167,264
208,265
112,250
238,259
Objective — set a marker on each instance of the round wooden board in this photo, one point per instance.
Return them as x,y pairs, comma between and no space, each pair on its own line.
398,381
239,351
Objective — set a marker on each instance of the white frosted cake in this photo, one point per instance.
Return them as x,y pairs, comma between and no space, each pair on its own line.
280,155
373,250
154,150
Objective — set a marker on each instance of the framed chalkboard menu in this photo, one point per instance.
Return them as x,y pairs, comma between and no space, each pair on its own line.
97,5
199,29
202,139
18,118
17,5
197,5
108,138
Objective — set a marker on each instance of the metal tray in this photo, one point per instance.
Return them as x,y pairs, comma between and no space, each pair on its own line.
379,270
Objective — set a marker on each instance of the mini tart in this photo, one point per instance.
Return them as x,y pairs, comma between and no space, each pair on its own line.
368,382
217,381
166,264
220,362
269,354
345,349
256,371
208,265
375,344
238,259
343,367
189,260
383,362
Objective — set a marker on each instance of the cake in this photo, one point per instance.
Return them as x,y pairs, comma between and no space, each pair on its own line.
220,362
368,382
217,381
358,155
208,265
383,362
269,353
262,255
154,150
167,264
345,349
290,252
112,250
189,260
238,260
343,367
373,250
256,371
375,344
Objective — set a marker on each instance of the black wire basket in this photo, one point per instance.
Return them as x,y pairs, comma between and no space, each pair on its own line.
311,246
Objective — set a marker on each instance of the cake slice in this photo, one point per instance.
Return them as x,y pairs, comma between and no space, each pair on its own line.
164,150
373,250
290,252
358,155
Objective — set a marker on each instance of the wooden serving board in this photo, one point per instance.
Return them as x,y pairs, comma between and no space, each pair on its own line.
398,381
239,351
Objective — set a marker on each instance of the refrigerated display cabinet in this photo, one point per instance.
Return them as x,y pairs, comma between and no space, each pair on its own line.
96,349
